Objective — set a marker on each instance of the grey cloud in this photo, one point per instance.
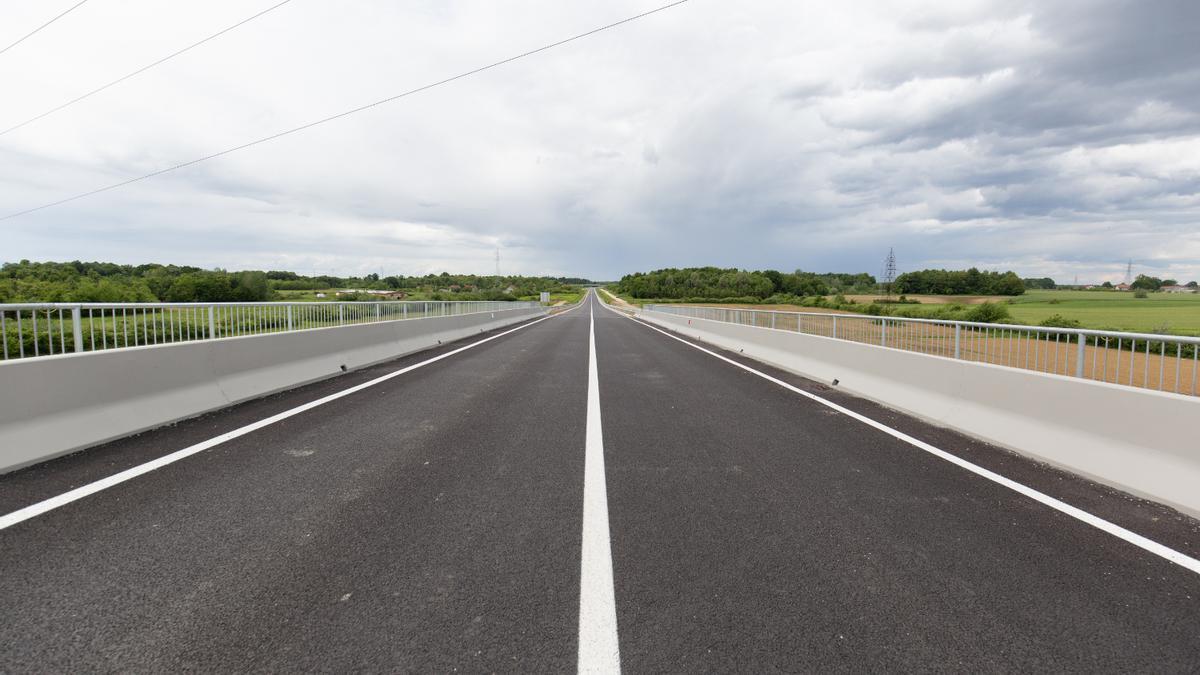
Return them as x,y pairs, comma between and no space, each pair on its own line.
1054,138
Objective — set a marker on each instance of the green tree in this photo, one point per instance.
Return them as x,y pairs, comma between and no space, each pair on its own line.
1146,283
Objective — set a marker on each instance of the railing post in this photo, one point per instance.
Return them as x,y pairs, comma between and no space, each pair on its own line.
290,322
377,311
883,335
958,340
212,323
799,323
1079,355
404,311
77,327
773,319
835,326
341,313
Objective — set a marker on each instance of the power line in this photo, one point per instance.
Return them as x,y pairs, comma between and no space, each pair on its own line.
347,113
143,69
39,28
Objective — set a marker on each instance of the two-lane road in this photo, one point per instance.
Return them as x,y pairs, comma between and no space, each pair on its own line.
436,521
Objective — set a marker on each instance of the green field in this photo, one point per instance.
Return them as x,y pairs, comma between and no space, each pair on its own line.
1176,313
1171,313
568,297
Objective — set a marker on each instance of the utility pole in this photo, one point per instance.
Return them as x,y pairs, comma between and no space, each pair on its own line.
497,262
1129,272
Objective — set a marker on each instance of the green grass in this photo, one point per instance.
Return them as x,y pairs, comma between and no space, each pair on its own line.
1176,313
1173,313
569,297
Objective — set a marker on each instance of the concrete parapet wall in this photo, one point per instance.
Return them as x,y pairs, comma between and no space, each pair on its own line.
1141,441
59,404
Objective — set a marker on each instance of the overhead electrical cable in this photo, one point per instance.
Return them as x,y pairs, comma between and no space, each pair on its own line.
39,28
340,115
143,69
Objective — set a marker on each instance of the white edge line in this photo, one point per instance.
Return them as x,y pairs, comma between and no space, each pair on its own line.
34,510
599,648
1097,522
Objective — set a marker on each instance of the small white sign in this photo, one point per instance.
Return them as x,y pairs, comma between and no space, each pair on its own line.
545,296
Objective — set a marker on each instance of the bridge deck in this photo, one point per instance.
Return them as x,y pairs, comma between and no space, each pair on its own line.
433,521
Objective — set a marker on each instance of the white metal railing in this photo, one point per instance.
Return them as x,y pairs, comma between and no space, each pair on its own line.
1150,361
46,329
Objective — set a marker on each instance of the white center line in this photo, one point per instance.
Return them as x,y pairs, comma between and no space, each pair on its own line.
78,493
1144,543
598,649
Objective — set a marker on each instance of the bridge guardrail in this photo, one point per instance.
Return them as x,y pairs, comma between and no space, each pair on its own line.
45,329
49,406
1149,361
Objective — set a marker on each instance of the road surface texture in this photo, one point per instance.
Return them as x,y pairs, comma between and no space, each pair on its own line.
432,523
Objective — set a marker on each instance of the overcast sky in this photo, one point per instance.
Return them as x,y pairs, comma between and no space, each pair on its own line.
1053,138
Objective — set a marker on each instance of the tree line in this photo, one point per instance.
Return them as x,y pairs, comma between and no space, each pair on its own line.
77,281
705,283
959,282
1148,283
715,283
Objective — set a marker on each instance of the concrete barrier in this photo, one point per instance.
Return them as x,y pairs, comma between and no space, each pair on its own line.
59,404
1143,442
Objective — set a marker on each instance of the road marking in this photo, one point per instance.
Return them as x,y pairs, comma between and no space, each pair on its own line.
1097,522
598,648
78,493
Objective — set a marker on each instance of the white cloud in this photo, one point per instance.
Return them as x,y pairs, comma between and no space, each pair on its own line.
1054,139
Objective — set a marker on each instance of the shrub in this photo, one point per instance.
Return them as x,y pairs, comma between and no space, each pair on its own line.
1140,293
1059,321
988,312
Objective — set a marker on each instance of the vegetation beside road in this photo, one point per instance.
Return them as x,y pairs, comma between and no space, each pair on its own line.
1163,313
728,284
77,281
985,312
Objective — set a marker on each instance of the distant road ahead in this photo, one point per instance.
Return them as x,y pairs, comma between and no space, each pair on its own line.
436,521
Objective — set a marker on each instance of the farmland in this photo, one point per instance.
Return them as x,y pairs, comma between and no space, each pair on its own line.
1170,313
1175,313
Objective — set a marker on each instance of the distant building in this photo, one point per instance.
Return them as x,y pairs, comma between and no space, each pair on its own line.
1123,287
1177,289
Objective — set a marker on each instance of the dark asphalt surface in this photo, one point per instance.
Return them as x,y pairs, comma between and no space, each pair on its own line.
433,524
426,524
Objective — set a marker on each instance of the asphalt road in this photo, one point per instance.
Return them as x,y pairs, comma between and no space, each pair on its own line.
432,523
